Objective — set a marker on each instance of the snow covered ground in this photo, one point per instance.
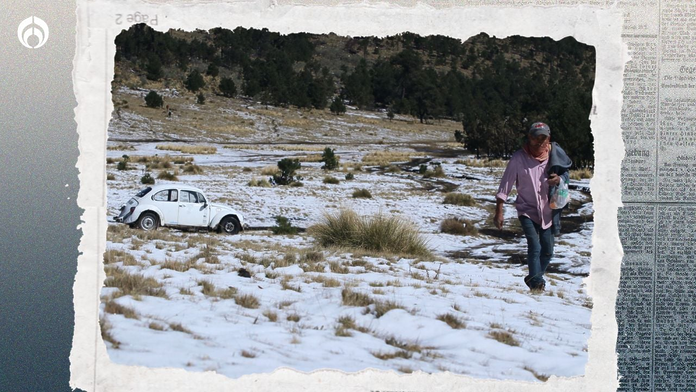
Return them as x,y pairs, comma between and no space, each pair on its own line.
464,310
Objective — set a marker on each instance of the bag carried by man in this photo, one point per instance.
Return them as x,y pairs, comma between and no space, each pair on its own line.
559,163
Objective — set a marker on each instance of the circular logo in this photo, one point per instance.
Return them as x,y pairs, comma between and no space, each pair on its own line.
32,32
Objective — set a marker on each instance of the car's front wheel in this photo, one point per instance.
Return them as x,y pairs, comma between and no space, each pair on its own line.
148,221
230,225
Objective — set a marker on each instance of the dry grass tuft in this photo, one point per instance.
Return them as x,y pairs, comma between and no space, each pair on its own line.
259,182
115,308
384,158
459,199
581,174
379,233
483,162
331,180
187,149
337,268
247,301
438,172
271,315
404,345
180,266
391,355
452,320
166,175
105,328
294,317
382,307
116,255
180,328
540,377
354,298
133,284
458,226
362,194
192,169
504,337
270,171
248,354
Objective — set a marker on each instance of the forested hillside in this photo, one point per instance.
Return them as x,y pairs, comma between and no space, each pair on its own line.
495,87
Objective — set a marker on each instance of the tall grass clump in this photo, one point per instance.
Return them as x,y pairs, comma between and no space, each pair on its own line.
331,180
580,174
259,182
165,175
187,149
133,284
192,169
459,199
458,226
362,194
379,233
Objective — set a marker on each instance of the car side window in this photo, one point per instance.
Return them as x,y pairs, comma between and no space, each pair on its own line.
201,199
166,195
188,197
161,196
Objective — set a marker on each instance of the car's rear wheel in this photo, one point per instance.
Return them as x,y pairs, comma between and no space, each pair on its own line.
148,221
230,225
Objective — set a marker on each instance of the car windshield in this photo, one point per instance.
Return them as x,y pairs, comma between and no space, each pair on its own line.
143,192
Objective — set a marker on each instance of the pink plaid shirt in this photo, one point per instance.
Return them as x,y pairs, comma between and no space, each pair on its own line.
529,176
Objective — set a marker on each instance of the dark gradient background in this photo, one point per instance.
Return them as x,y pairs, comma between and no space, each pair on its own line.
38,212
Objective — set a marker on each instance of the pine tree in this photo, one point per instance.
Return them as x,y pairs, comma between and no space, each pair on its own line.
329,158
337,106
153,100
227,87
194,81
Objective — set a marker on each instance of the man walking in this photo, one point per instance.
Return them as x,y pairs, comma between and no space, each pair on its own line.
535,170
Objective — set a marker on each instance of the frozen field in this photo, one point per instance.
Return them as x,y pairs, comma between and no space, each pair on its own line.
464,309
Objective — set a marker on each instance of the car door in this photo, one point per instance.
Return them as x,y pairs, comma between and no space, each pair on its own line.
167,202
192,211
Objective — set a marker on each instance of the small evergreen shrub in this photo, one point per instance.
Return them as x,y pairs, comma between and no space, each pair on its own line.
330,159
287,168
153,100
350,176
200,98
337,106
147,179
227,87
212,70
194,81
283,226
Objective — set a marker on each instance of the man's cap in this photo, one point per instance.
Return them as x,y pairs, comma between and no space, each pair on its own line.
539,128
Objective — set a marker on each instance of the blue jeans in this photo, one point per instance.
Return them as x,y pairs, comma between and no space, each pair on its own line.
539,251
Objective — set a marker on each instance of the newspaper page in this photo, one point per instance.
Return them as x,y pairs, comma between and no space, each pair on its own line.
654,307
642,104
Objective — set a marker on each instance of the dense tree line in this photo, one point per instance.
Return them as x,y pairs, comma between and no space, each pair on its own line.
494,87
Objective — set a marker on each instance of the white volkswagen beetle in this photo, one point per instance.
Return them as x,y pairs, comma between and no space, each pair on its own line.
180,206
